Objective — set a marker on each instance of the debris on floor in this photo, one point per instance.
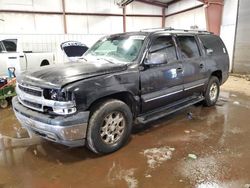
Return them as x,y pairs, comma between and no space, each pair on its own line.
236,102
190,115
117,173
156,156
187,131
148,176
192,156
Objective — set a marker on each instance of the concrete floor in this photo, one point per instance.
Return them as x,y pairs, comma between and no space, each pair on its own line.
197,147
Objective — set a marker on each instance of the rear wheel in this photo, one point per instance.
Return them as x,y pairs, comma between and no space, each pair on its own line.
212,91
109,127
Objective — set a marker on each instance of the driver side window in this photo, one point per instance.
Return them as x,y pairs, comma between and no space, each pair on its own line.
163,50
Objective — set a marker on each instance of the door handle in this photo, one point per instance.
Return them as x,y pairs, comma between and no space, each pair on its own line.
201,65
179,69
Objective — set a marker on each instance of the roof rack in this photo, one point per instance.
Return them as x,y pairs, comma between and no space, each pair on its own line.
178,30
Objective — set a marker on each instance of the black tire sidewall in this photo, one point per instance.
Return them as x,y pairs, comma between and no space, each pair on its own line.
208,101
94,139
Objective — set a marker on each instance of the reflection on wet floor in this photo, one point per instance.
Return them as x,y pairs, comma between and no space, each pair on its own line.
197,147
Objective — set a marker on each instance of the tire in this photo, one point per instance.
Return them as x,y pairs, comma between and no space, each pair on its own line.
212,92
109,127
44,63
4,103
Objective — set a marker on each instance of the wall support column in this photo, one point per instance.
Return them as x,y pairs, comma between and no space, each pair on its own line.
213,11
163,17
124,18
64,17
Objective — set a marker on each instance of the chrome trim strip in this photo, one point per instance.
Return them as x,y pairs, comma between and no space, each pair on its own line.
185,89
163,96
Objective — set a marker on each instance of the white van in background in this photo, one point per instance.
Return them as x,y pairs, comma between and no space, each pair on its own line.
12,55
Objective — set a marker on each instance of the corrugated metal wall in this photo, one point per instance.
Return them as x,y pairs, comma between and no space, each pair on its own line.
41,32
242,43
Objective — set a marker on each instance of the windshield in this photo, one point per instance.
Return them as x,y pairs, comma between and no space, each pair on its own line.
120,48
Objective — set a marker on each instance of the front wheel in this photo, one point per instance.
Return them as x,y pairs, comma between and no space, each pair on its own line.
212,92
4,103
109,127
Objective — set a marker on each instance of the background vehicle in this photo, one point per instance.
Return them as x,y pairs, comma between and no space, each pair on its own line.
123,78
12,55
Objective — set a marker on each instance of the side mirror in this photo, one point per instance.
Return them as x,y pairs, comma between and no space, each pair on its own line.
155,58
209,51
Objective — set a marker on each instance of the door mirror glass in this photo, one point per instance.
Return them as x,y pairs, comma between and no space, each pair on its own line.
155,58
209,51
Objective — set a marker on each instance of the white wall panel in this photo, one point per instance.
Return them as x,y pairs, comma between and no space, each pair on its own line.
16,4
77,24
32,5
47,5
187,19
17,23
49,24
92,6
182,5
102,25
142,8
138,23
228,26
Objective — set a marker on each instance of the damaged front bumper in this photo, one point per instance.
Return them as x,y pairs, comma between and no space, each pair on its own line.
66,130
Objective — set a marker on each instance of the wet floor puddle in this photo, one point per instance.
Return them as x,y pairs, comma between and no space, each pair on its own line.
197,147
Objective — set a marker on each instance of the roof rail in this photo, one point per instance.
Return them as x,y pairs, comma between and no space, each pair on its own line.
180,30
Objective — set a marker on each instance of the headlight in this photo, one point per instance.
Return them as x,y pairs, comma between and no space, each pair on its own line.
64,101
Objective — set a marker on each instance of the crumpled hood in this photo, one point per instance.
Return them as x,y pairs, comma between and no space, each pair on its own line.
56,76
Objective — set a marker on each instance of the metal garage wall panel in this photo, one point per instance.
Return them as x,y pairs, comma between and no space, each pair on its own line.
32,5
228,26
92,6
47,5
142,8
187,19
93,24
77,24
182,5
242,43
138,23
49,24
17,23
102,25
17,4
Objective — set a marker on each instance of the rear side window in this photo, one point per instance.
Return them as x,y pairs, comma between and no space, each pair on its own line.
164,45
188,46
10,45
213,42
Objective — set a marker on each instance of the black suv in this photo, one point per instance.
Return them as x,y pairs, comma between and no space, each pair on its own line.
122,79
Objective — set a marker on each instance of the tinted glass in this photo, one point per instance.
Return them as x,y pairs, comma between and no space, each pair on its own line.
1,47
164,47
10,45
188,46
213,42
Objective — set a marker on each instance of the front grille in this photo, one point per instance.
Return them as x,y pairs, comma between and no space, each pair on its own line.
32,104
30,91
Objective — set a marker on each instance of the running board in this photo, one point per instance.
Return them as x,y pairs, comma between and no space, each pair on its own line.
167,110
